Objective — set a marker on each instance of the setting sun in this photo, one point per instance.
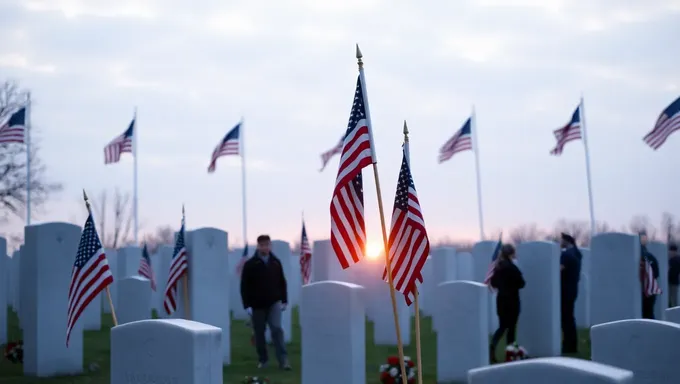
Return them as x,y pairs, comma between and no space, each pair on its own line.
373,249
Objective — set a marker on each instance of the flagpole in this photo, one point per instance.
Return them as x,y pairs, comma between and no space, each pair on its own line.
475,143
419,364
135,200
388,267
589,178
243,185
28,157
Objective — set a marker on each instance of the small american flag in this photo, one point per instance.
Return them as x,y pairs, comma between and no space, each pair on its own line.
461,141
145,269
570,132
667,123
348,228
494,258
305,256
90,275
242,262
229,145
650,286
178,267
119,145
13,130
408,245
328,155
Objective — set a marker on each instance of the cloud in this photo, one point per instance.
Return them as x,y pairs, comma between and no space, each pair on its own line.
21,62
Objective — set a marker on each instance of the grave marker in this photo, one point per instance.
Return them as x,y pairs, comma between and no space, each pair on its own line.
135,299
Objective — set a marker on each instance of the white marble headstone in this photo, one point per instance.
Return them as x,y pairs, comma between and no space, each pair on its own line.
334,322
615,293
4,285
22,286
582,305
464,343
553,370
135,299
208,285
322,256
128,261
384,331
47,259
482,253
281,249
427,288
112,258
673,315
648,348
235,302
16,285
444,263
539,328
161,268
660,251
166,351
464,266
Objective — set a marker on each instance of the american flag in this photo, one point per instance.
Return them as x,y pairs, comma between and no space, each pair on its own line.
328,155
348,229
570,132
229,145
667,123
13,130
461,141
145,269
650,286
119,145
305,256
242,262
408,245
90,275
178,267
494,258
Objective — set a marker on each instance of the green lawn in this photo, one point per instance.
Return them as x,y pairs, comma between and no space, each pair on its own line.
242,356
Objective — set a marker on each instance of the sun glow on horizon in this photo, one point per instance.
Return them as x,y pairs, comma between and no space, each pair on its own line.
373,250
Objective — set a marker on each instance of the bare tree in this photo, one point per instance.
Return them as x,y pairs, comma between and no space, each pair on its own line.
669,227
641,223
579,230
164,235
114,218
526,232
14,184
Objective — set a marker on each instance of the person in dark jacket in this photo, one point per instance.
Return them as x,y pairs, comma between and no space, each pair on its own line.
648,302
264,293
507,279
673,275
570,274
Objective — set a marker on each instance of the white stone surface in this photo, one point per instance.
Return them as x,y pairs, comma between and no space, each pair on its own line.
334,319
172,351
4,288
384,332
464,343
163,258
281,249
112,258
582,306
673,315
444,263
322,252
135,299
464,266
47,258
128,261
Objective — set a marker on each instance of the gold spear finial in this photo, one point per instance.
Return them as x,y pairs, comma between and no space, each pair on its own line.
87,201
405,132
360,62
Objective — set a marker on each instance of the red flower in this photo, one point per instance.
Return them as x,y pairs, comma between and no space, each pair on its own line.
393,360
409,363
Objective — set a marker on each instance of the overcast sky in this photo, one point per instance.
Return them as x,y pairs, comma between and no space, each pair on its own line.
193,68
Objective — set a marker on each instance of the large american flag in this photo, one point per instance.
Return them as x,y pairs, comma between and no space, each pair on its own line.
461,141
305,256
145,269
494,258
13,129
328,155
229,145
667,123
90,275
650,286
408,245
348,229
178,267
121,144
570,132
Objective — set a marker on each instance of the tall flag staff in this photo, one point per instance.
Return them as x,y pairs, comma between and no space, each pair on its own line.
576,130
15,128
179,268
126,143
667,123
90,274
466,139
348,227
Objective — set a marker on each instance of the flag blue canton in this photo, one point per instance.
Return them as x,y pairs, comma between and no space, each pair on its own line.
358,111
466,129
145,254
180,242
18,118
233,134
576,117
401,200
131,129
89,243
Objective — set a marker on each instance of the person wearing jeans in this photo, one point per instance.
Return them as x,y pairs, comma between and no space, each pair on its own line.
264,293
507,279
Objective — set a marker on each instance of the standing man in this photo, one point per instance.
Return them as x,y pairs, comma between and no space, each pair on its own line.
264,293
570,274
673,275
648,300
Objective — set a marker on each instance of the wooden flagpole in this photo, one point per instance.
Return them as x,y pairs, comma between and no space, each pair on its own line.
108,291
416,294
400,345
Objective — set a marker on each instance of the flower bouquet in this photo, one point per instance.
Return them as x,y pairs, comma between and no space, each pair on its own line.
390,373
255,380
14,352
515,352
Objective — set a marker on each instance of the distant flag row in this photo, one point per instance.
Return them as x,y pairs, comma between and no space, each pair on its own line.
667,123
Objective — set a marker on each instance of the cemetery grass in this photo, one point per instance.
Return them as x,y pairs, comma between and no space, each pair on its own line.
96,344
